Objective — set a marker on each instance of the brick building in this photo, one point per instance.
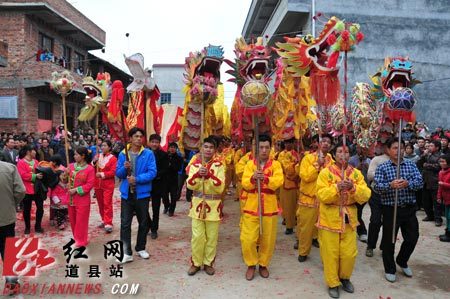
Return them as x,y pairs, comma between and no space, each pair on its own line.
29,29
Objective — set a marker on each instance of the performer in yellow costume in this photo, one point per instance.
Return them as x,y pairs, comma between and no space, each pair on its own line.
239,170
310,167
207,182
271,178
339,188
288,192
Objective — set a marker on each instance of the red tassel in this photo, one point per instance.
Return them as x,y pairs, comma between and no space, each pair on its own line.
325,87
332,60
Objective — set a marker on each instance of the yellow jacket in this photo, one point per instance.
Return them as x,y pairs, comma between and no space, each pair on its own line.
273,180
288,160
229,156
238,155
333,206
308,172
239,169
214,184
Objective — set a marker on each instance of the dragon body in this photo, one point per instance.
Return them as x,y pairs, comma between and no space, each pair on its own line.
202,89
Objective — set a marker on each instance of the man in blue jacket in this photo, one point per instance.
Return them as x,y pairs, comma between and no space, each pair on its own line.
136,177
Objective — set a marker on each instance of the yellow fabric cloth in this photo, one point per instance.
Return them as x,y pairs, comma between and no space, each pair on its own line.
338,252
333,206
288,203
204,242
308,172
306,229
250,239
239,169
213,186
288,160
273,180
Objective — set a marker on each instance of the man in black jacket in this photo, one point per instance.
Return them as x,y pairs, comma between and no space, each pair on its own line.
175,162
9,153
159,183
430,164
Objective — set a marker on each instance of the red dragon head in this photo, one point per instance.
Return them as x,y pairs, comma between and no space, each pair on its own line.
251,62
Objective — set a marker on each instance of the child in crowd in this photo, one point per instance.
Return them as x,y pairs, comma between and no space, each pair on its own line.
60,199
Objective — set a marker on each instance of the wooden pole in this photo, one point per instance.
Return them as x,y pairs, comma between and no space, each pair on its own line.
97,148
66,141
202,155
399,157
258,167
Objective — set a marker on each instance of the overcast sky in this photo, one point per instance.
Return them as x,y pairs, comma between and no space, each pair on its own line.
166,31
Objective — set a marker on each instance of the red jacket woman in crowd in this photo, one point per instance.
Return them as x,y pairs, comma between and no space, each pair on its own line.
443,195
104,184
26,166
82,179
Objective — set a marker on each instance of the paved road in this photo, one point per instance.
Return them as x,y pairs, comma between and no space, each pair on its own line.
164,274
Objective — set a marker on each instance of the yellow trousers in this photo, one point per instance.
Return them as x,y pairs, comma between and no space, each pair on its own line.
338,252
306,228
288,202
204,242
250,237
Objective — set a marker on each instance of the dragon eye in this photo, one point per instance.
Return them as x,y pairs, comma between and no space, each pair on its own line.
248,54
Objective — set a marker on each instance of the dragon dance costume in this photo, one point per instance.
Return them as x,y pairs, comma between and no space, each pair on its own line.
206,209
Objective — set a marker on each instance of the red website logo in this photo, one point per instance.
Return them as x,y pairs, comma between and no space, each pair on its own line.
23,257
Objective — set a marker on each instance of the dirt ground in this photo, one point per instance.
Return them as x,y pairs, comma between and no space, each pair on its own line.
164,274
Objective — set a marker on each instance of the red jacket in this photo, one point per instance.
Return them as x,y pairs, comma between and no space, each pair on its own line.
83,179
107,168
444,187
27,171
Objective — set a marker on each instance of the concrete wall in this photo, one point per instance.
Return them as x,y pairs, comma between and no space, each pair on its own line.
169,79
419,29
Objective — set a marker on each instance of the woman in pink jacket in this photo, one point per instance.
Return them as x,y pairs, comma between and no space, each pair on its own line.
82,179
443,195
26,166
104,185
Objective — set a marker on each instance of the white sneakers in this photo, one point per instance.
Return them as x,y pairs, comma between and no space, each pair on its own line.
126,259
363,238
390,277
129,258
143,254
407,271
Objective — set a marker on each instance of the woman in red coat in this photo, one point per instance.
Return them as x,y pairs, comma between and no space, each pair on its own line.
82,179
443,195
104,185
26,166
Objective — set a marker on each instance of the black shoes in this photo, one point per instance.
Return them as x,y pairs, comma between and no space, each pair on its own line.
170,214
154,235
315,243
445,237
302,258
27,231
289,231
347,286
333,292
165,210
428,219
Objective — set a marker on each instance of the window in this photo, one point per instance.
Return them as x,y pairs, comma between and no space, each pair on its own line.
8,107
67,56
166,98
45,110
45,42
78,63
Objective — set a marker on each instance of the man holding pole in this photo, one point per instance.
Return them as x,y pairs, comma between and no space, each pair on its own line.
387,185
207,179
260,212
310,167
340,188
